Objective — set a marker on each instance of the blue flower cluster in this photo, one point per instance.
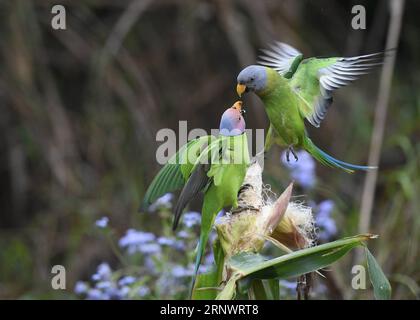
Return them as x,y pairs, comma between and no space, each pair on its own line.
302,170
138,241
159,265
105,286
164,202
326,225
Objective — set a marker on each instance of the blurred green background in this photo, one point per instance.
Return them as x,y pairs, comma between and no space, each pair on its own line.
80,109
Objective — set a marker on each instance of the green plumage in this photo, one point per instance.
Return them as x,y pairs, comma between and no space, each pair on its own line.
215,166
175,173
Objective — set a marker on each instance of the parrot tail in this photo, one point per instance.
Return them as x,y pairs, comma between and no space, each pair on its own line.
328,160
200,252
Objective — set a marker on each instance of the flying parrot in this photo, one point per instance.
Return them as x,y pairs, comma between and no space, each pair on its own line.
293,89
213,165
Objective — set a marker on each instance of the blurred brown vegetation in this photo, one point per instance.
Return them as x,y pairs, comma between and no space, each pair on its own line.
80,109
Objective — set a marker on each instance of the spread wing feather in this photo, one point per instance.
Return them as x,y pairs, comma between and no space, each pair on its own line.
281,57
174,173
316,79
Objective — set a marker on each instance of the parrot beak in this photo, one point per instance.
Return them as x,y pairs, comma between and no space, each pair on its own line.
238,105
240,89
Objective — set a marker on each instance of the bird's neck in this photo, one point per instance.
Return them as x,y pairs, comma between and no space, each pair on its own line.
276,84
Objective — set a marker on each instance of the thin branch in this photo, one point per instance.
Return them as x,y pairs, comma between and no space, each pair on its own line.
124,25
397,8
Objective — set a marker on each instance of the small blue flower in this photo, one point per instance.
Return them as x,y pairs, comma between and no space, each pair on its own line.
191,219
104,285
150,264
123,292
204,268
179,245
303,170
149,248
143,291
162,202
209,259
171,242
325,207
183,234
96,294
164,241
134,241
80,287
167,285
180,271
326,224
103,272
127,280
102,222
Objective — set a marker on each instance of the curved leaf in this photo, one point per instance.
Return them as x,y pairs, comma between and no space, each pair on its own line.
380,283
247,266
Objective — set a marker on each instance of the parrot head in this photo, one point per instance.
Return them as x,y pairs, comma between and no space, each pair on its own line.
252,78
232,122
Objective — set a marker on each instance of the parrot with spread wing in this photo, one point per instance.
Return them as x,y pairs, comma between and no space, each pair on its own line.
293,89
213,165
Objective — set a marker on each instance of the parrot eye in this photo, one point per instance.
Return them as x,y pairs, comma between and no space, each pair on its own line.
252,79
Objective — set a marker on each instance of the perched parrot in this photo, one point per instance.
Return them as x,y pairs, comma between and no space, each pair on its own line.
293,89
213,165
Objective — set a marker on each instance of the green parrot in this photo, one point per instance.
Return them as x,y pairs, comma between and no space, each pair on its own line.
213,165
293,89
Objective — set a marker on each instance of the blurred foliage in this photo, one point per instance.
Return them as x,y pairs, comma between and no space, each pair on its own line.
81,107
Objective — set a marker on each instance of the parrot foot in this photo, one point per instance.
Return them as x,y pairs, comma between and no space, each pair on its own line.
290,149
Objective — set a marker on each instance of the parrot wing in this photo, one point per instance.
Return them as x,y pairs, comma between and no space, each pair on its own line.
199,179
175,172
272,137
316,78
282,58
195,184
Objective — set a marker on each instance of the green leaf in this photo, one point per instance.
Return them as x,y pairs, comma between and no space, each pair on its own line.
255,266
205,287
295,263
274,288
219,258
229,291
265,289
258,291
380,283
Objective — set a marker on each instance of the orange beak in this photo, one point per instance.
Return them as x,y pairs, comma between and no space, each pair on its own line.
240,89
238,106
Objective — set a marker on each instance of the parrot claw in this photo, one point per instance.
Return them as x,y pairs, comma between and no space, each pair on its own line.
290,149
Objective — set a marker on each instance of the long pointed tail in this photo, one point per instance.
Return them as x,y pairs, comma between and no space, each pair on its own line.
201,247
328,160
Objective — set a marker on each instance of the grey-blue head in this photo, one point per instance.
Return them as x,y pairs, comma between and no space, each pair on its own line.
252,78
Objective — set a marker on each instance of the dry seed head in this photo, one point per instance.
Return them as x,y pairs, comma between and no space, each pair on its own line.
296,229
246,228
